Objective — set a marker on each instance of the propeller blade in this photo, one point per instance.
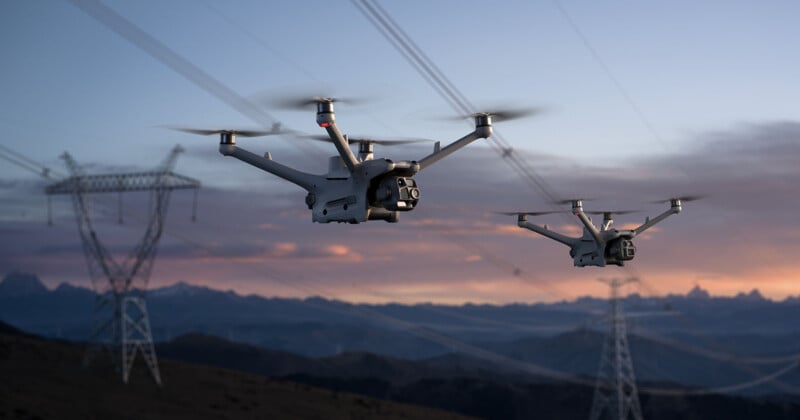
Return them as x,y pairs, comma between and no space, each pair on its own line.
239,133
258,133
198,131
685,198
388,142
371,140
613,212
298,102
508,114
570,200
527,213
498,114
692,197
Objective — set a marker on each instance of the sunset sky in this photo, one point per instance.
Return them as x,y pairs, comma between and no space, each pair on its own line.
643,101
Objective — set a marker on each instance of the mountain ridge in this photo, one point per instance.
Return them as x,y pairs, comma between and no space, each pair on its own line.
28,283
317,327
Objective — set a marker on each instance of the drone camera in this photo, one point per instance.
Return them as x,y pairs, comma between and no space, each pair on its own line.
619,250
397,193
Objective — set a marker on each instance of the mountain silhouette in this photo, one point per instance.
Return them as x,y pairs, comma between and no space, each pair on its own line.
44,379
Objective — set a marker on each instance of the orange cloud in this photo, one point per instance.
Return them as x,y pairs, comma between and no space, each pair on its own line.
283,249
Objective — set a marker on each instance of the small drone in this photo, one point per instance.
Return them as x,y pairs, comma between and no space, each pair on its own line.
603,246
356,188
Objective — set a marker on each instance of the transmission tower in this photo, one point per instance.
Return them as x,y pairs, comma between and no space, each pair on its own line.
615,393
122,325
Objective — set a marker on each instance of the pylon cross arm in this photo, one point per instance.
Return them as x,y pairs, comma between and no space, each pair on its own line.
125,182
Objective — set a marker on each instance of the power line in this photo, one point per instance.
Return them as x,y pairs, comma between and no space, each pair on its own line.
20,163
741,362
21,160
261,42
498,261
258,40
717,355
384,23
637,110
170,58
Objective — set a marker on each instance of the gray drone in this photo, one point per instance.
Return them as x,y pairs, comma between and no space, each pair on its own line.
599,246
356,188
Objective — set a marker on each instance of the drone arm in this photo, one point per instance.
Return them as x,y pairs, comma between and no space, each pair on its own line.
481,132
304,180
589,225
341,146
541,230
675,208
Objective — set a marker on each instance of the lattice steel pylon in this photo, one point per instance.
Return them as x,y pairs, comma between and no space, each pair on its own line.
122,324
615,393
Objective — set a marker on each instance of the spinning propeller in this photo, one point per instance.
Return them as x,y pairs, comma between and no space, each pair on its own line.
371,140
507,114
228,136
686,198
527,213
609,212
301,104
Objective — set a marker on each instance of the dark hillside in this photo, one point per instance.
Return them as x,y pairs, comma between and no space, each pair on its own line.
44,380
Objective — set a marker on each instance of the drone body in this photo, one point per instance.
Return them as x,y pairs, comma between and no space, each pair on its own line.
604,245
374,190
356,188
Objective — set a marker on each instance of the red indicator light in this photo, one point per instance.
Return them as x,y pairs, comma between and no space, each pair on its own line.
324,125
